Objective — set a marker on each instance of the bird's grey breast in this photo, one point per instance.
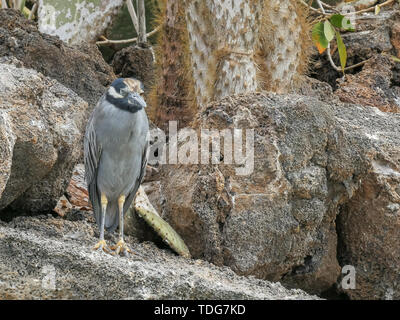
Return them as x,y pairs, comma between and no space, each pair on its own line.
123,137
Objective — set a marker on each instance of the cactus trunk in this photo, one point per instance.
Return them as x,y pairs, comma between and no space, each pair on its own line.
209,49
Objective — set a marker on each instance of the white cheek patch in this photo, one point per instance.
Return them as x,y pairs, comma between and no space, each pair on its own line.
114,93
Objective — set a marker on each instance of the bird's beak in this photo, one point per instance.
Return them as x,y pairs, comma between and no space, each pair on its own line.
137,100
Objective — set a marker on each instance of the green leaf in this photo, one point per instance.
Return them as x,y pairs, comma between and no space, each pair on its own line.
377,9
318,36
340,21
337,20
329,31
342,51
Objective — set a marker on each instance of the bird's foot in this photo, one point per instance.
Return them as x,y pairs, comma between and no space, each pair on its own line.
121,248
102,246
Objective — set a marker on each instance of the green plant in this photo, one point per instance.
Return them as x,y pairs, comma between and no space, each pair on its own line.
325,31
329,25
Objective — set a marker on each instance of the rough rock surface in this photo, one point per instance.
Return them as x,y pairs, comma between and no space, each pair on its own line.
373,34
51,258
41,125
314,162
82,69
373,86
395,39
77,192
136,62
368,230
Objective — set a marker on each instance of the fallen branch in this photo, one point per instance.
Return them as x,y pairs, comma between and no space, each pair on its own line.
108,42
145,210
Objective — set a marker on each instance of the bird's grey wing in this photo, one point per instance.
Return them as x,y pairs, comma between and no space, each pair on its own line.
135,188
92,154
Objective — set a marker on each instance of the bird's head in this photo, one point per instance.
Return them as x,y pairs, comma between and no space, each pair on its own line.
126,94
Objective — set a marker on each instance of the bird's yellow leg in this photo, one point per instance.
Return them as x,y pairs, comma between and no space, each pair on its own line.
121,246
102,245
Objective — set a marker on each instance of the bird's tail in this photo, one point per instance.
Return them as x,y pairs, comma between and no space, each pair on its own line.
112,216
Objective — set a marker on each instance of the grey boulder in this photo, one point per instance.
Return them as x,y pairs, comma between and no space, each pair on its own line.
324,193
41,125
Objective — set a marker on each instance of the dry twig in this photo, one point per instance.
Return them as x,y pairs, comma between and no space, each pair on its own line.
125,41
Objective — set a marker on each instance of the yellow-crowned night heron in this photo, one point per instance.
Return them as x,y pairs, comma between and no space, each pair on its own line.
115,152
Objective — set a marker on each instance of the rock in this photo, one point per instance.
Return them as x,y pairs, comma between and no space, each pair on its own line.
315,88
51,258
372,86
311,160
63,207
153,191
368,229
75,21
136,62
366,42
76,196
395,39
377,83
152,174
77,192
41,125
84,71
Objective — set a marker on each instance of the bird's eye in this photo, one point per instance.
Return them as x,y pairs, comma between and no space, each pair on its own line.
124,91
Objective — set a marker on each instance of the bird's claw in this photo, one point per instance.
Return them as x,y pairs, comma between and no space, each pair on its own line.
121,247
101,246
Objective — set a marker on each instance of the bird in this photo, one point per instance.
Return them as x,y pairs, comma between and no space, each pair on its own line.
115,155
